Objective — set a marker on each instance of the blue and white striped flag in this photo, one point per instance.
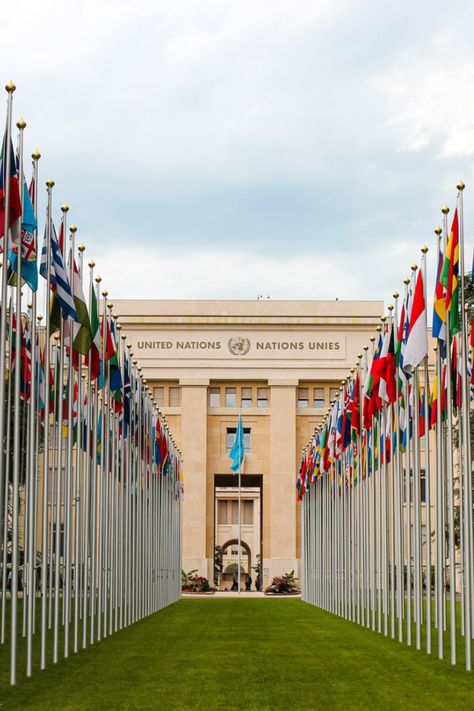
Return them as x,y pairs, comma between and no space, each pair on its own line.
58,275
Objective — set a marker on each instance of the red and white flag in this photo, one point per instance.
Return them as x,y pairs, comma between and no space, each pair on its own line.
417,341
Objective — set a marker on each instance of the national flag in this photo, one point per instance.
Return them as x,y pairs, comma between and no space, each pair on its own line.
14,200
387,368
331,446
237,453
450,277
354,407
371,399
417,338
82,331
160,435
59,278
25,358
421,411
95,351
346,422
439,306
456,374
126,401
29,265
323,446
433,402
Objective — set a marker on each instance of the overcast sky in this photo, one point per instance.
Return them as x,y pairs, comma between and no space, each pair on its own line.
216,149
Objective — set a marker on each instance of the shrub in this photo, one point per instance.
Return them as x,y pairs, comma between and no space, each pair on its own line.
284,585
190,582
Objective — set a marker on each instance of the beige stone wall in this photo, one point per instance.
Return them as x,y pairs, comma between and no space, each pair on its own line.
281,345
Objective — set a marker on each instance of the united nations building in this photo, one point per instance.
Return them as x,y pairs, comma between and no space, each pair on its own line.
278,364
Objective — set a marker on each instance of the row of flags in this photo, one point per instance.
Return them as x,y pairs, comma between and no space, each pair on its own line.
91,479
389,375
386,480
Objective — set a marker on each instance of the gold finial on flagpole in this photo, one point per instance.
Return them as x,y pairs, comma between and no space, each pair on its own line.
383,319
36,155
21,124
395,294
390,307
406,280
445,209
414,267
10,87
64,207
82,247
50,183
460,186
98,279
73,229
91,264
40,317
105,293
438,231
424,249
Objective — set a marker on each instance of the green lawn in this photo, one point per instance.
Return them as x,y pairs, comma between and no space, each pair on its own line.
244,654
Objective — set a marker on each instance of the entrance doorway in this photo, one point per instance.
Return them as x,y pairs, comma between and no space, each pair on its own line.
226,527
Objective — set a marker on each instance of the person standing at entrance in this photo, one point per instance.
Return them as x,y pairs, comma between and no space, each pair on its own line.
248,583
234,583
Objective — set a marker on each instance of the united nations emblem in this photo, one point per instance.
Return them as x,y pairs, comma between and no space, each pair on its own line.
238,345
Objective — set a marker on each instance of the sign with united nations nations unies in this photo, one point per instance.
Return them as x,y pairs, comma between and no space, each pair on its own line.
238,346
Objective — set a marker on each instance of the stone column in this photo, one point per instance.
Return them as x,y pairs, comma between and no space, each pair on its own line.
282,479
194,441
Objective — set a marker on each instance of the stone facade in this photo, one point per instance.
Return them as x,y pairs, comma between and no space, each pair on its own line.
274,362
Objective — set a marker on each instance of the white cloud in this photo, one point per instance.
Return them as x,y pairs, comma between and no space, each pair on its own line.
229,274
429,88
326,133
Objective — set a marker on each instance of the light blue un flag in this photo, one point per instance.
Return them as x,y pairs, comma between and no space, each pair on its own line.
237,451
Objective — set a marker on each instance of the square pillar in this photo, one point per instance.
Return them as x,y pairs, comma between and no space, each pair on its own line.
194,447
282,480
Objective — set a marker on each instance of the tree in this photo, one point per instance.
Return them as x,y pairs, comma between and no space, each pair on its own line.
218,563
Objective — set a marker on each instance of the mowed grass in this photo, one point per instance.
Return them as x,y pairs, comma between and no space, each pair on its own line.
244,654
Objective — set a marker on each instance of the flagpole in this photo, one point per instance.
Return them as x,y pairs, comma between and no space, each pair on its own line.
424,251
7,474
33,413
94,482
16,442
10,88
59,473
45,518
449,469
240,532
69,470
79,493
466,470
440,508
